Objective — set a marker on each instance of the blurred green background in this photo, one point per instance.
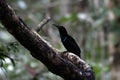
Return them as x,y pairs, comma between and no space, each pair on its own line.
94,24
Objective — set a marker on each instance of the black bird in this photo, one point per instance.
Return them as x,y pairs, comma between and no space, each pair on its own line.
68,42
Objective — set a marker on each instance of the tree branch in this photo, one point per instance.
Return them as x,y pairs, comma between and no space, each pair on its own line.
68,66
42,23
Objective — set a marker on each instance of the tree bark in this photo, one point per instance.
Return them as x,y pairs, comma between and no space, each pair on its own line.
64,64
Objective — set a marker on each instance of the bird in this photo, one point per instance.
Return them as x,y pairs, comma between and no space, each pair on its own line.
68,42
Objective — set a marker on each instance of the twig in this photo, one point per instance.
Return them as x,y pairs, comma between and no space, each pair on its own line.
42,23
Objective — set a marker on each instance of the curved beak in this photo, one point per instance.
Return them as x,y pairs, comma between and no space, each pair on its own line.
58,26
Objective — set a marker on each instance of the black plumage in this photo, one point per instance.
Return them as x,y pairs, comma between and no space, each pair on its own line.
68,42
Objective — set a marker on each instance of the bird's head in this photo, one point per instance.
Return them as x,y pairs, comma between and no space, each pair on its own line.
61,29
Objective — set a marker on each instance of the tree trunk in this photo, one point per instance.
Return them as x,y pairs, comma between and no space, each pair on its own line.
115,59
